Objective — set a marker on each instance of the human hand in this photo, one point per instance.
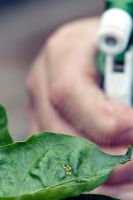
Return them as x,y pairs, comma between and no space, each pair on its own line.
64,95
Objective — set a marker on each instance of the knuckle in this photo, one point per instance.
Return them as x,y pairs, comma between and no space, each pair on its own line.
60,94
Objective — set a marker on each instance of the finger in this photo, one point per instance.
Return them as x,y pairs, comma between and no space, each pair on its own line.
42,115
91,113
73,89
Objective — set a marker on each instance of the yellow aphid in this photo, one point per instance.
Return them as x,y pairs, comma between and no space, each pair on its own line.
68,169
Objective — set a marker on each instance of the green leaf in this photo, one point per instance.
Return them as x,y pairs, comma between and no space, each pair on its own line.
52,166
92,197
5,137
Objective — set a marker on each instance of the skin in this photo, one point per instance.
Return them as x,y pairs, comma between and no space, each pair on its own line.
64,96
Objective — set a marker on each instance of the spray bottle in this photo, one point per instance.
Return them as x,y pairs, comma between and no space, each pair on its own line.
115,57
